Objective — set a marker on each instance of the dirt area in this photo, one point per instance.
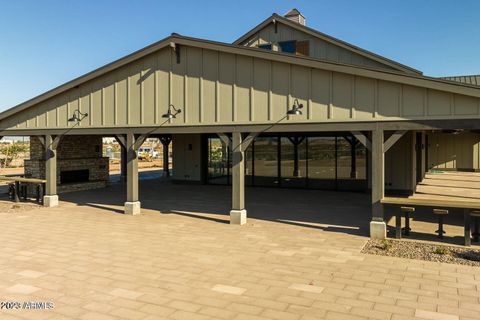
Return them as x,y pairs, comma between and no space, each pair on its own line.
7,206
115,165
423,251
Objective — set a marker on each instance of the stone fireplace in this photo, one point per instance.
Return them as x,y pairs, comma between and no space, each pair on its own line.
80,164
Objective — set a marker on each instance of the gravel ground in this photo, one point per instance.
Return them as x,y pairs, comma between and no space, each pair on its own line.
7,206
423,251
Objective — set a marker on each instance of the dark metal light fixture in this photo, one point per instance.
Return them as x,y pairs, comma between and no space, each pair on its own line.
295,108
77,116
170,114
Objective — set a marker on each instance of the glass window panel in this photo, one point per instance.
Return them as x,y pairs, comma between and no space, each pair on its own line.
344,158
288,46
265,161
293,165
321,162
218,162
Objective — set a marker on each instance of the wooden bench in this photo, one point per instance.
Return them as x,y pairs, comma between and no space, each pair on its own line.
467,206
18,185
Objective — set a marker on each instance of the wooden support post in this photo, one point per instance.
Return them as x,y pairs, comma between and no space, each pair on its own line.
132,206
165,140
51,198
122,141
378,229
238,214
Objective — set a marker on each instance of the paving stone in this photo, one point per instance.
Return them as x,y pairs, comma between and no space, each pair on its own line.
22,289
430,315
228,289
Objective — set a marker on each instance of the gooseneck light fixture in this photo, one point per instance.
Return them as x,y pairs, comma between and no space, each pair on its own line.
170,114
296,108
77,117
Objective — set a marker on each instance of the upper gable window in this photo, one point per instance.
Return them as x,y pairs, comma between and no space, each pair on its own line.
288,46
266,46
301,48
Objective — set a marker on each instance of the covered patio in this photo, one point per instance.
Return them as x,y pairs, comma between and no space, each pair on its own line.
329,211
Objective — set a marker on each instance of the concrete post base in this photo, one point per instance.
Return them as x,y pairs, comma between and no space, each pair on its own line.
238,217
132,208
378,230
50,201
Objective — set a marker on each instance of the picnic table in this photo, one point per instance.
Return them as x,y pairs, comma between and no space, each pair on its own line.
467,206
18,187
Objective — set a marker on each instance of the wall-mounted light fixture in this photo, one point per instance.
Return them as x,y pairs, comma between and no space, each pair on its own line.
295,108
170,114
77,117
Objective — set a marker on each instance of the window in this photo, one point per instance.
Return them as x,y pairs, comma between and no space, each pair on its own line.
288,46
267,46
301,48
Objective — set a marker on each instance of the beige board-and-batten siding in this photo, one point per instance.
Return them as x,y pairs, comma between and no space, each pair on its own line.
216,87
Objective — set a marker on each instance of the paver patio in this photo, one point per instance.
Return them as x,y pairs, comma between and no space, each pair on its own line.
297,258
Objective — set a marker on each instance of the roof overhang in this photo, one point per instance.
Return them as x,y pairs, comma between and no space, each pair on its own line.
380,74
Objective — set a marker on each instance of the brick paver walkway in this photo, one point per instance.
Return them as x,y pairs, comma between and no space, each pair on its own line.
97,264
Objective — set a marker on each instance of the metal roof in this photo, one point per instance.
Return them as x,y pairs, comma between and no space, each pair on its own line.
471,79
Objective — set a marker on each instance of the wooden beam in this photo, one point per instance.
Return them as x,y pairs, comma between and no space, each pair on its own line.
393,139
139,140
121,139
363,139
248,140
226,140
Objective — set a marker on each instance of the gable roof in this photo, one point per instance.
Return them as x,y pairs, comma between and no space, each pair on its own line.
380,74
345,45
471,79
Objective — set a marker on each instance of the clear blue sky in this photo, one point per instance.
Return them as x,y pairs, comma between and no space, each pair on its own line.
49,42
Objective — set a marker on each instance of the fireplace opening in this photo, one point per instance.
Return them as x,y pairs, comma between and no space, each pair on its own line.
72,176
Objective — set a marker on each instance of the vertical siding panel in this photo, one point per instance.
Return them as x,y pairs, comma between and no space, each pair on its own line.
364,98
342,93
309,102
330,95
251,93
83,106
299,89
261,79
243,80
194,59
280,90
163,84
320,95
96,104
226,82
178,70
121,98
62,116
134,94
209,78
234,91
185,87
109,101
270,81
148,90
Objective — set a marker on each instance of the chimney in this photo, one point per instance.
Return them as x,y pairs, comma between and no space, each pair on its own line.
295,16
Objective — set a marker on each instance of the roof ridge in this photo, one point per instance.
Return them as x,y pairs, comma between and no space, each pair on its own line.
328,38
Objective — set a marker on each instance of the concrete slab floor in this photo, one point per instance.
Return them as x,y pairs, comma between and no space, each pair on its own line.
298,257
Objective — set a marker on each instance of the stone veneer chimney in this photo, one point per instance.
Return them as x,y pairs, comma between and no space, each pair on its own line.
295,16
